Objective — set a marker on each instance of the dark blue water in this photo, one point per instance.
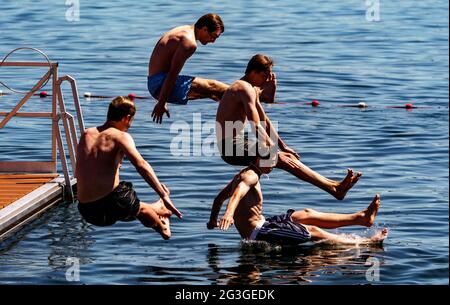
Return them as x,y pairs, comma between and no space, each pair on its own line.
325,51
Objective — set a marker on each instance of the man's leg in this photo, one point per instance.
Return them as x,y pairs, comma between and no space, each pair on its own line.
155,216
332,220
317,234
206,88
291,164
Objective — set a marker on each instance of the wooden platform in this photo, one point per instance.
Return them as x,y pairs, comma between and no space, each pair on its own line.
15,186
23,197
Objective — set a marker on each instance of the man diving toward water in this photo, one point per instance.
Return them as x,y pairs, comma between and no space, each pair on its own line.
103,198
241,102
245,207
168,58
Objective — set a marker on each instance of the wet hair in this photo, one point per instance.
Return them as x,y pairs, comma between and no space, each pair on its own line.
121,107
211,21
259,63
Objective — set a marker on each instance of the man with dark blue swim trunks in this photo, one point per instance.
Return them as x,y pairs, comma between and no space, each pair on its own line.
168,58
103,198
245,206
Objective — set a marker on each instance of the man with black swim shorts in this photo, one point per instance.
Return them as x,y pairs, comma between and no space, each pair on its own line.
244,210
103,198
240,108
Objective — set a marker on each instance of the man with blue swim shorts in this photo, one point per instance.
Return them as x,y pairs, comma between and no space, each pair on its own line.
170,54
244,209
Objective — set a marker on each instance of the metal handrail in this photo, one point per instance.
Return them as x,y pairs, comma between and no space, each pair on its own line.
58,113
69,127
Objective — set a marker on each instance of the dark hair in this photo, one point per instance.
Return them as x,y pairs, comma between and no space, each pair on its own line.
211,21
259,63
120,107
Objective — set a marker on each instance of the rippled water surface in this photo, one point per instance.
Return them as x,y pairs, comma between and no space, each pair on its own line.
324,51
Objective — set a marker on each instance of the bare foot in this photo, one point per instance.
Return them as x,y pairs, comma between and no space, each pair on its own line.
164,230
156,216
379,236
369,214
346,184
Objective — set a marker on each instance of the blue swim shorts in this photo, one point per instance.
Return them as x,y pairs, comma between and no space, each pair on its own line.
180,92
283,231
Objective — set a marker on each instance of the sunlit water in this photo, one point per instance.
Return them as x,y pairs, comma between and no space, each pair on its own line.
324,51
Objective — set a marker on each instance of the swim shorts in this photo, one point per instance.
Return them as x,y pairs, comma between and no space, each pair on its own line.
121,204
283,231
240,152
179,93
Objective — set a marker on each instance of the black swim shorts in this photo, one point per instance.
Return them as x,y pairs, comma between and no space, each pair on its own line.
121,204
243,153
283,231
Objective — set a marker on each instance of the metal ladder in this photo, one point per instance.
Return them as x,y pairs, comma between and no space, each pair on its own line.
69,129
58,113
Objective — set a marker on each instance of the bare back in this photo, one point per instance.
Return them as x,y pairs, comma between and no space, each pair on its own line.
163,53
98,159
231,107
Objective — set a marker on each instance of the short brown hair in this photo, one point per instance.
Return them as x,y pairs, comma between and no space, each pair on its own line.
211,21
259,63
121,107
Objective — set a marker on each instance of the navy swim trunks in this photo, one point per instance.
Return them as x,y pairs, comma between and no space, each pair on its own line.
179,93
283,231
122,204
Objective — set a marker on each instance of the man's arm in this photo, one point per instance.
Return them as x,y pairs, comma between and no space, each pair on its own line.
272,131
217,204
248,98
244,182
183,52
126,143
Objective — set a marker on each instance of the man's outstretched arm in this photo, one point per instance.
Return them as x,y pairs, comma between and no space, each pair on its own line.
146,171
242,183
217,204
273,132
248,98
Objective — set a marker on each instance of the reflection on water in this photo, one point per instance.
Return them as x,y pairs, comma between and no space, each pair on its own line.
261,263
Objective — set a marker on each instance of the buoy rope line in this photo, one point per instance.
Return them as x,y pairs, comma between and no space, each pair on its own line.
361,105
132,96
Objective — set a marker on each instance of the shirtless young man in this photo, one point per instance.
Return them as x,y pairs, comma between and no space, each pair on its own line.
239,104
103,199
168,58
245,206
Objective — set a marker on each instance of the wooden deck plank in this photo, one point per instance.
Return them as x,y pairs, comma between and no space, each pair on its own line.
19,186
23,181
27,176
15,186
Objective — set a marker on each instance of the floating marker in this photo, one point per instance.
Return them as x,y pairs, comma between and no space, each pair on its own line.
131,96
362,105
90,95
315,103
4,93
406,106
359,105
43,94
